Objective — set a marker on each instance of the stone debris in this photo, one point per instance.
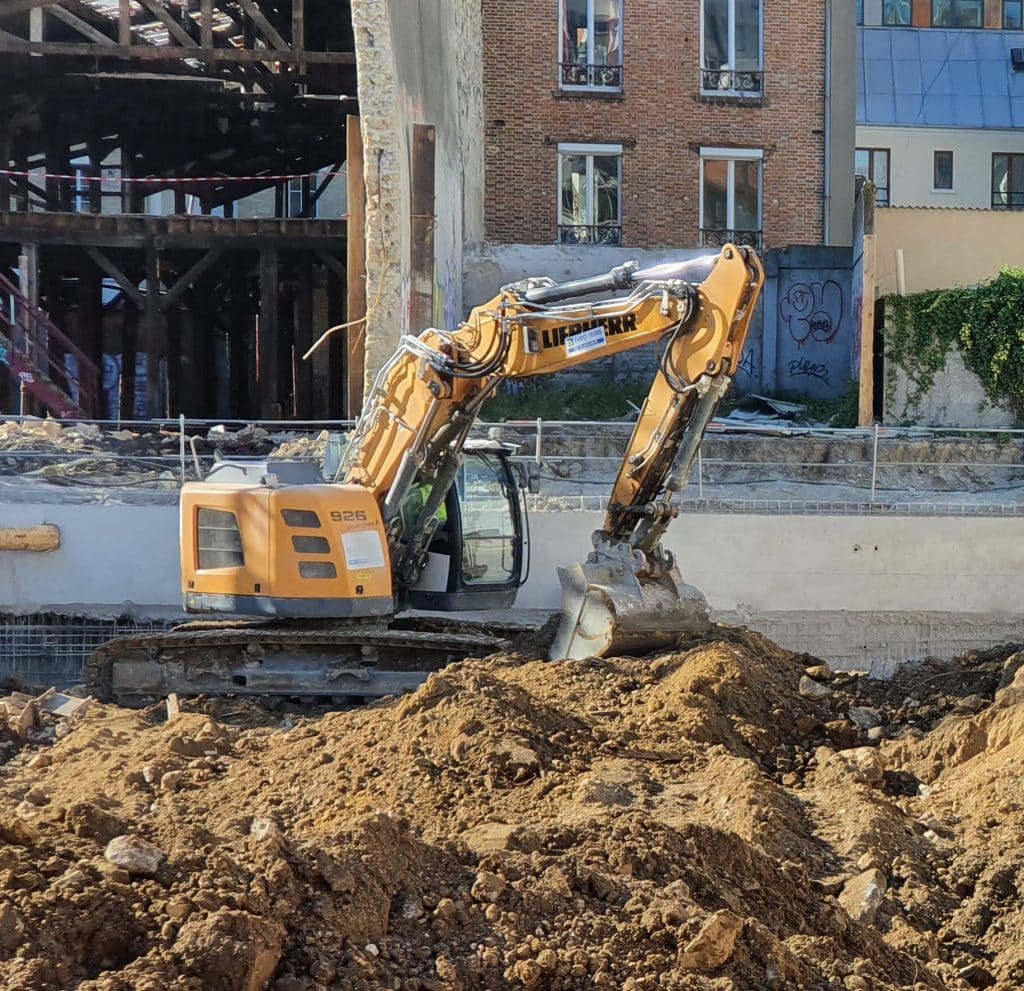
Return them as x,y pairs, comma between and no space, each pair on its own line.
811,689
683,822
134,855
44,716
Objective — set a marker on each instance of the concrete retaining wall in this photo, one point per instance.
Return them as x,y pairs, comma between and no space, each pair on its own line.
855,590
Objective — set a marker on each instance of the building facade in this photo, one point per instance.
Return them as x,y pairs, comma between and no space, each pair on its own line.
624,122
940,111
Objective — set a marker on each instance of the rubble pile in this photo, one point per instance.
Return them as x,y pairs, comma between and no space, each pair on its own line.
729,816
87,453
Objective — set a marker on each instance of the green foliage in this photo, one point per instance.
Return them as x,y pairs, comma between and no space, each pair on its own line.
985,323
589,399
840,411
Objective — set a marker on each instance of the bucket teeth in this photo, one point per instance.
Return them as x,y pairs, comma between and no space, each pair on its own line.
605,613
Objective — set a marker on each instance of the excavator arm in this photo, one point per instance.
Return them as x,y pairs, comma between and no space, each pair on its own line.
427,397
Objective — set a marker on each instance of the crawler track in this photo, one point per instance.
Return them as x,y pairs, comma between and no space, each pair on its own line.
344,661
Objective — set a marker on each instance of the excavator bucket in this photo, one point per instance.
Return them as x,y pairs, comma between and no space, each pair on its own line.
608,610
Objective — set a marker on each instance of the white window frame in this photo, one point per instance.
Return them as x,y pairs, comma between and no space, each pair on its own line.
588,87
732,156
945,190
590,151
745,94
295,185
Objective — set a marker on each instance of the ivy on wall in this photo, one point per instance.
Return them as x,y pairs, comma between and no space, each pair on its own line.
986,323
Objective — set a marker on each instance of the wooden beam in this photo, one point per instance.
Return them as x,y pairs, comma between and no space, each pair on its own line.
38,539
355,311
175,292
421,229
298,25
206,23
11,8
82,27
268,29
154,334
268,339
166,53
130,290
176,31
302,398
333,264
124,22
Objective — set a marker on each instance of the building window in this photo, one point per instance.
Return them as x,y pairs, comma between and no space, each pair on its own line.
860,11
730,196
942,171
958,13
590,197
591,45
1012,20
731,63
896,13
1007,182
873,164
298,192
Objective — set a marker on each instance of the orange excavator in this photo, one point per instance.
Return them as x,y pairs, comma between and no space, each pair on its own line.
307,576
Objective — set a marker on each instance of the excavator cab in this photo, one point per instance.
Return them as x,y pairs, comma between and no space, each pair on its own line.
477,558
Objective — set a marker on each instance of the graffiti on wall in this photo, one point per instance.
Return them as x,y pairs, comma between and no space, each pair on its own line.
803,368
813,311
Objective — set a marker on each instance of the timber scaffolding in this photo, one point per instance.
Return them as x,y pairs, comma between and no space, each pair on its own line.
202,149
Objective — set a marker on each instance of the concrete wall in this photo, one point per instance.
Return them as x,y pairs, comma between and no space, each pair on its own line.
855,590
911,152
944,248
418,61
985,241
113,560
840,116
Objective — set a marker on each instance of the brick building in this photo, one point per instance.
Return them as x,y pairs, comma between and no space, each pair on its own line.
648,125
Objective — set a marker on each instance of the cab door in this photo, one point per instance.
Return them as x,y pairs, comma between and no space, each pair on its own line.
477,559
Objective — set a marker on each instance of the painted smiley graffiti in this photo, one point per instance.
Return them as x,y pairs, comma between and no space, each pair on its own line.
813,311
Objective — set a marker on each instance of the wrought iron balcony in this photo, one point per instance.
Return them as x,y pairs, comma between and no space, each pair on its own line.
607,77
589,234
716,237
732,82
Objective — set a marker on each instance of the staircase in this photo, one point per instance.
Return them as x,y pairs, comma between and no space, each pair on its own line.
34,351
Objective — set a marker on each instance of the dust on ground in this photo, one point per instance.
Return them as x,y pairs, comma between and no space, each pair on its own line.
729,816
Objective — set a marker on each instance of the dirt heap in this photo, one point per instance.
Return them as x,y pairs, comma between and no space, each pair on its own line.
731,816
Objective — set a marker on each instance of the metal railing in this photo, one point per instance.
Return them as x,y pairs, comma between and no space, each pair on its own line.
589,234
716,237
590,76
46,363
546,443
732,82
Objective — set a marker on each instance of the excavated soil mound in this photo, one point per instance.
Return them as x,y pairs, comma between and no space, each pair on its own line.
731,816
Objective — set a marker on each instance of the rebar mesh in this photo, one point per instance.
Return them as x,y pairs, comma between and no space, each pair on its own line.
47,649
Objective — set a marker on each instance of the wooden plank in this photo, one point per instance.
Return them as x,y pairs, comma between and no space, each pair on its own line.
82,27
298,25
175,292
176,31
268,369
165,53
355,364
866,389
268,29
421,228
36,539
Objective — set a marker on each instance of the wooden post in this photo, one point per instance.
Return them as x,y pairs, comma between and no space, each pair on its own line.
90,323
28,265
268,339
421,260
42,538
153,333
866,393
239,340
206,24
355,336
129,335
302,401
124,23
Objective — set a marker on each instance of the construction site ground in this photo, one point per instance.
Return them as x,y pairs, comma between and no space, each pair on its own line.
726,815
